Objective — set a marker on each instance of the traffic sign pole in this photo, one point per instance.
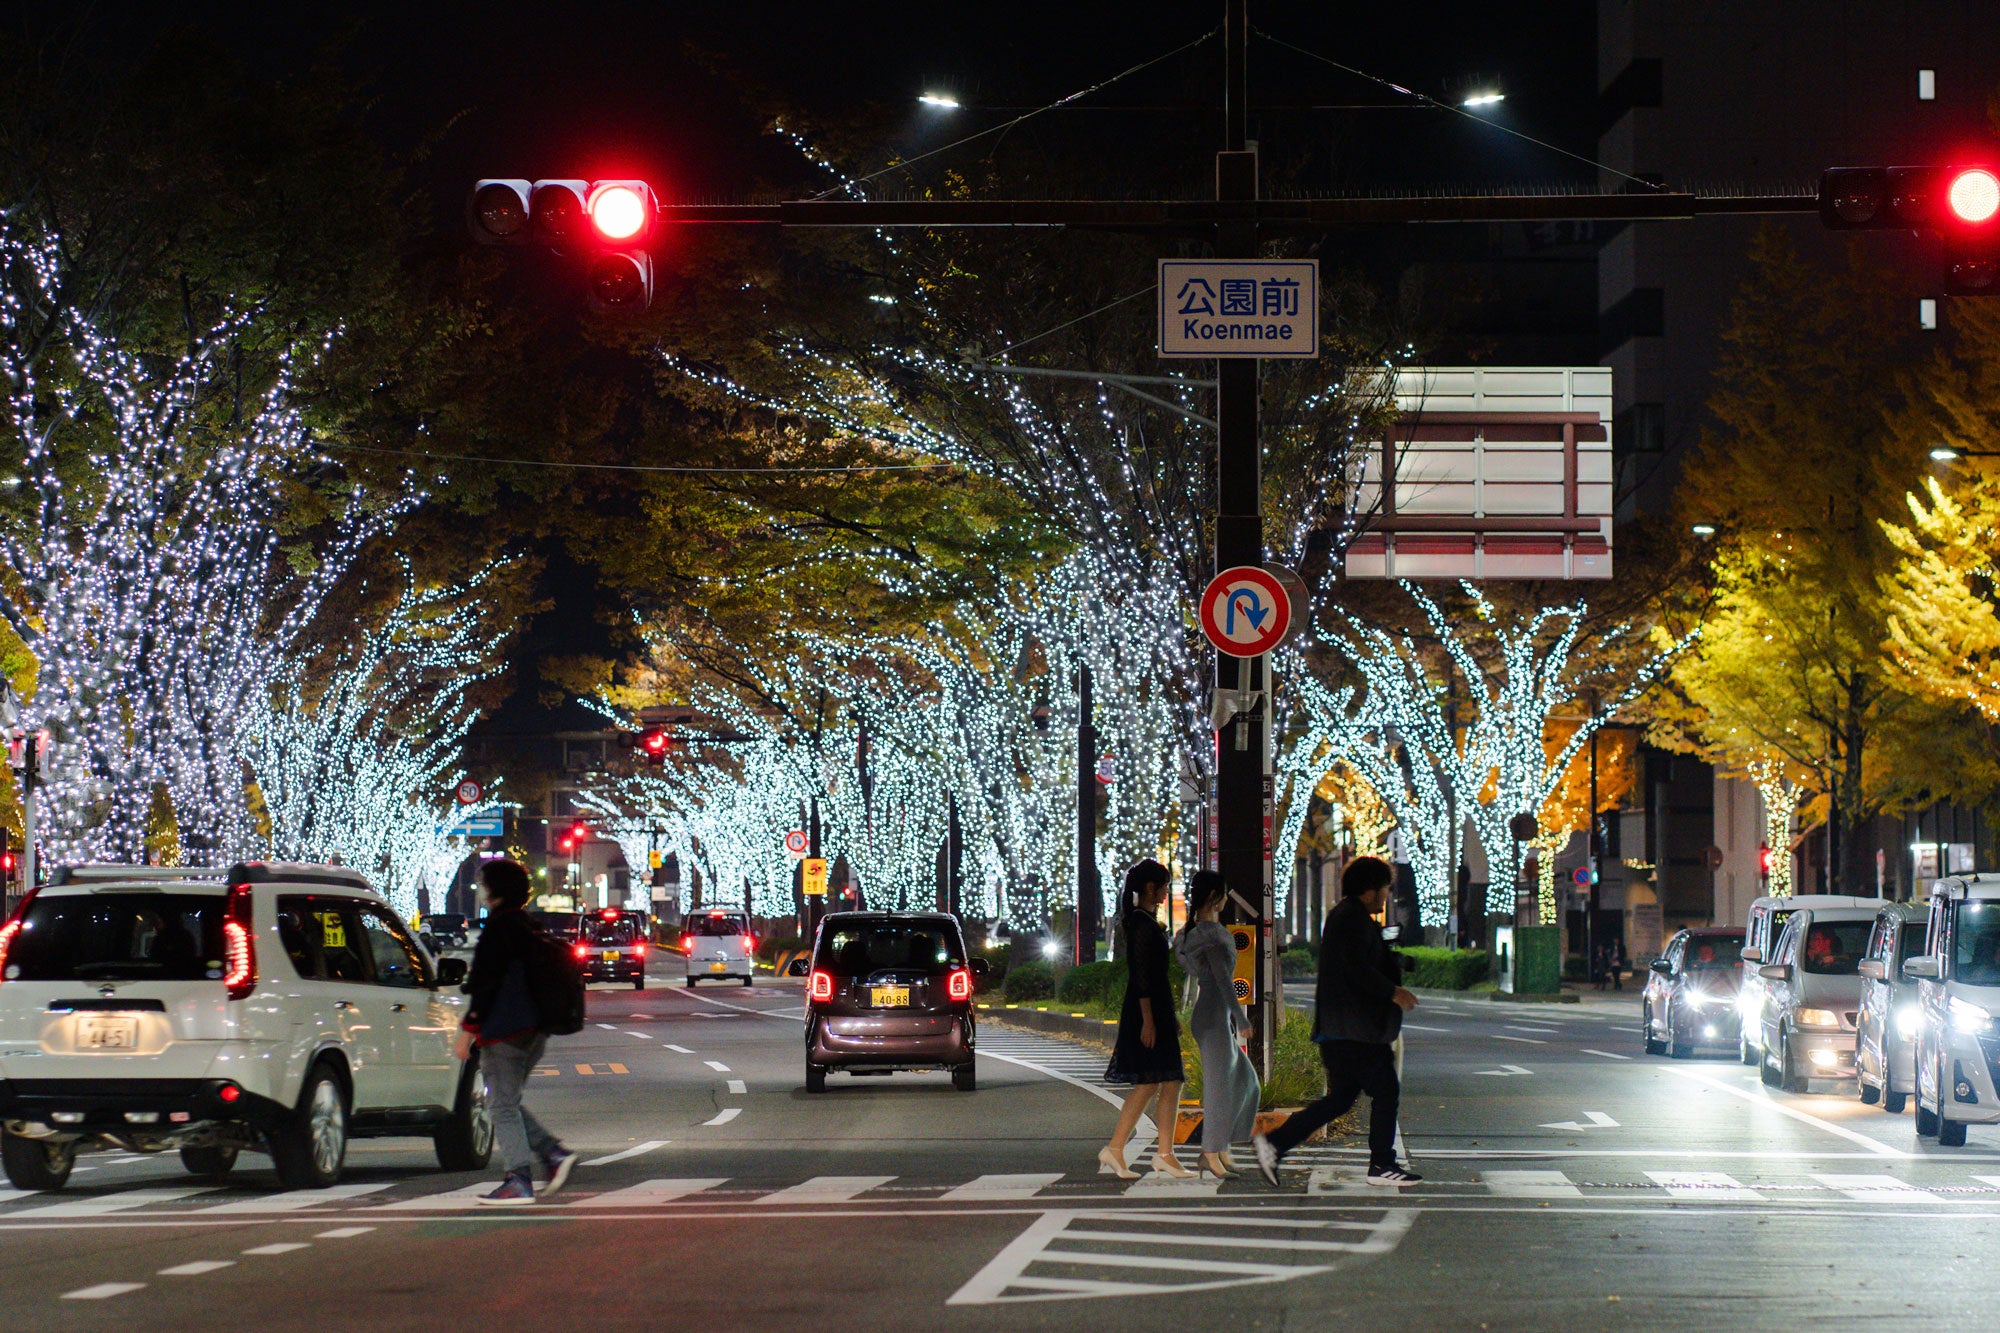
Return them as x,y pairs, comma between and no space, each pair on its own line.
1240,774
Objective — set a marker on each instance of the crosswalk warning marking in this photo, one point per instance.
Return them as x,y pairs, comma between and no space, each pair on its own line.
1876,1189
1530,1185
649,1192
826,1189
1704,1185
1134,1252
611,1067
994,1189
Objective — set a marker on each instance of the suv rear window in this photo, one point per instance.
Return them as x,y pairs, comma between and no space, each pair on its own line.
717,925
622,931
560,924
891,946
119,937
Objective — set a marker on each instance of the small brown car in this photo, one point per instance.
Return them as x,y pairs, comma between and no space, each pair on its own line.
888,991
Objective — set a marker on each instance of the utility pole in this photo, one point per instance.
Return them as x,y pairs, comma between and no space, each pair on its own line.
1089,892
1242,773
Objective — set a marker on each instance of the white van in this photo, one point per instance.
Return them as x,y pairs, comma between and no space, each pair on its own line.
1812,993
277,1008
1760,936
1958,985
719,946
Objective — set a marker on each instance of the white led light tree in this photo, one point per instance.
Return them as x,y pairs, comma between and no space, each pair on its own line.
357,761
151,565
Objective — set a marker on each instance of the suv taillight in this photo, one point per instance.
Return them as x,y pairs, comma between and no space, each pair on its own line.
13,928
959,984
239,945
822,985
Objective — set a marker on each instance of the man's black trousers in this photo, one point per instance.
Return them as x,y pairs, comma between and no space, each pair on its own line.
1352,1068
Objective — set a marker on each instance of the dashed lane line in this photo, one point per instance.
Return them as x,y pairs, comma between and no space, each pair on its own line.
724,1116
738,1087
717,1066
1530,1041
1608,1055
102,1291
197,1268
682,1049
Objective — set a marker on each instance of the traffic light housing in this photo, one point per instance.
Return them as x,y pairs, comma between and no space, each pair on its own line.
1765,858
1960,205
606,225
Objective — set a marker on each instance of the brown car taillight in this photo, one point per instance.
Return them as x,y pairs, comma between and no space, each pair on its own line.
822,985
959,985
239,946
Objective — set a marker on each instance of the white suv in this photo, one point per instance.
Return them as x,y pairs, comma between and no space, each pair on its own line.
280,1008
1958,987
719,946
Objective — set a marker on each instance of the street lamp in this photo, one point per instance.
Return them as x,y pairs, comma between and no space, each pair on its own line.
1946,453
1703,529
1477,100
942,101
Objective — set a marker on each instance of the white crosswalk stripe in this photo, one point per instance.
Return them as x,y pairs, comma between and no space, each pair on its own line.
1875,1189
826,1189
989,1189
648,1193
1704,1185
293,1200
1130,1253
1530,1185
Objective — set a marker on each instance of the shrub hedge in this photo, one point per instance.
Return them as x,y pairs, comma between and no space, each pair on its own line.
1031,979
1445,969
1298,963
771,946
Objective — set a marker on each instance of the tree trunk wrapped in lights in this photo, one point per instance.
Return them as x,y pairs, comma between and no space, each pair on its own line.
156,567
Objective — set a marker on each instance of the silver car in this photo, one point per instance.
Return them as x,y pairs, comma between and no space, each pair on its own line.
1812,995
1885,1037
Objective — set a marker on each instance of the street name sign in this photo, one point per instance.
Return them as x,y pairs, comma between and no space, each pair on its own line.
1239,307
1246,611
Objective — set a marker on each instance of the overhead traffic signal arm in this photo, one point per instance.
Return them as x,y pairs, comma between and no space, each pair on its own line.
1960,205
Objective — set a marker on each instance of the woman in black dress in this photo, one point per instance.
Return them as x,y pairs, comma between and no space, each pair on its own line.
1148,1052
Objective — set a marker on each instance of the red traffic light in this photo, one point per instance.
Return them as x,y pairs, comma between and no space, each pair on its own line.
1974,195
1765,857
7,863
656,742
621,211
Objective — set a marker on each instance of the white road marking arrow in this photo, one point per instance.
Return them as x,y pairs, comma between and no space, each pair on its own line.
1597,1119
1504,1071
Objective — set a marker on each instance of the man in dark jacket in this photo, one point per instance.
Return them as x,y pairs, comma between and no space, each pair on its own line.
1358,1009
502,1021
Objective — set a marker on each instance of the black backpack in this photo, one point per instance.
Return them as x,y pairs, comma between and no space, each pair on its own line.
555,984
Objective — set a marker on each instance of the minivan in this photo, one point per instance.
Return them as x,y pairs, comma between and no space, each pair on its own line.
1812,992
1761,930
1958,986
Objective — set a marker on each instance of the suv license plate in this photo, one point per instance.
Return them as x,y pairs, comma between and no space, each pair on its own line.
889,997
610,955
107,1034
718,967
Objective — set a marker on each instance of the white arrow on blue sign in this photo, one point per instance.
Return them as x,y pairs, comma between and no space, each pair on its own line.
1239,307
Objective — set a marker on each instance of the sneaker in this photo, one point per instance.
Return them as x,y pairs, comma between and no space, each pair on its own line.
517,1188
1267,1160
1392,1175
558,1164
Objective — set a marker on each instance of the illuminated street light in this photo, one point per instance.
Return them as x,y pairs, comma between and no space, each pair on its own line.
942,101
1944,453
1049,949
1484,99
1703,529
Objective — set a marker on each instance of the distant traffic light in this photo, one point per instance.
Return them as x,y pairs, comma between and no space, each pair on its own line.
1961,205
1764,859
654,744
606,224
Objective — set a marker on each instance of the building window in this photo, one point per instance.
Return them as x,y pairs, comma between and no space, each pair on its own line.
1927,313
1926,85
1640,429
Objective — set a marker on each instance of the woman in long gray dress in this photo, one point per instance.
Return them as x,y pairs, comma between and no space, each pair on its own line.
1229,1087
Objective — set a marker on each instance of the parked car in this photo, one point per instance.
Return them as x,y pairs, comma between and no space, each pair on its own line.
1885,1036
1761,930
1958,985
719,945
1812,993
272,1008
1689,1003
889,991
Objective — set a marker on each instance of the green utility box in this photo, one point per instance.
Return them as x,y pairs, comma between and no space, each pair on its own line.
1530,959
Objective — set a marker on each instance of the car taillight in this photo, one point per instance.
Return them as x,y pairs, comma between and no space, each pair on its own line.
228,1092
749,944
582,951
239,945
959,984
639,946
13,928
822,985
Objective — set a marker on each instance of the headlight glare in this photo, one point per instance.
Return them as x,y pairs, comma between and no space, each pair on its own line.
1909,1021
1968,1017
1816,1018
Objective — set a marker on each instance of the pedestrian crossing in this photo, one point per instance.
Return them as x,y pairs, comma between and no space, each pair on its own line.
1324,1175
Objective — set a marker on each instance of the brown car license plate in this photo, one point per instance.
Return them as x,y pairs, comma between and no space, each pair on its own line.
889,997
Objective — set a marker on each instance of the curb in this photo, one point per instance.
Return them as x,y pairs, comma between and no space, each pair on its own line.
1560,997
1093,1031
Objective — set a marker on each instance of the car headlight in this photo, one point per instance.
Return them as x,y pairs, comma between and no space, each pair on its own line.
1816,1018
1967,1016
1909,1021
1702,999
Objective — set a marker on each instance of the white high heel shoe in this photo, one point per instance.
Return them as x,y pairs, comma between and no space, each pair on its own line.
1109,1161
1167,1164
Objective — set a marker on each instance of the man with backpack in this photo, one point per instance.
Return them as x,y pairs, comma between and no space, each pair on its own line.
520,995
